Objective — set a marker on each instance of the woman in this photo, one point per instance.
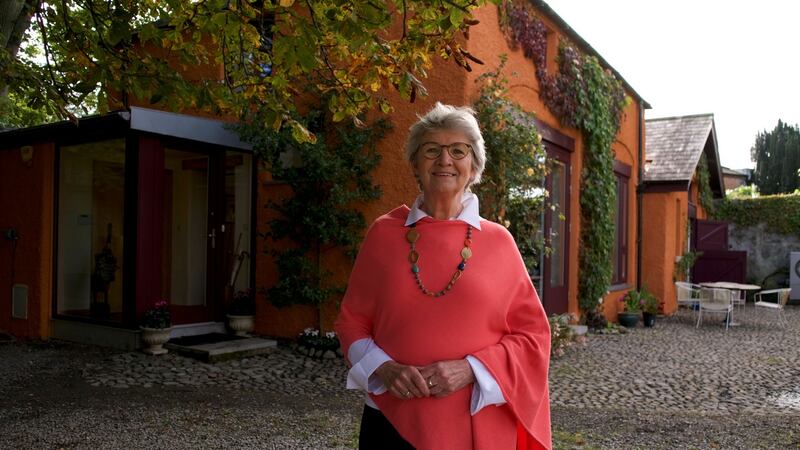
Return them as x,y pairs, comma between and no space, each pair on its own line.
440,322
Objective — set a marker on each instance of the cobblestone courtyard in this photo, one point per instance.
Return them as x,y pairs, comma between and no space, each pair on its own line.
673,386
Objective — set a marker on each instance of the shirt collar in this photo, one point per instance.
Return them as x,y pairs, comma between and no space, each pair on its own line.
468,214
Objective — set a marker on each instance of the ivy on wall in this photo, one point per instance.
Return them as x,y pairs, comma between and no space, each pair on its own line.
779,213
706,197
511,196
327,178
583,95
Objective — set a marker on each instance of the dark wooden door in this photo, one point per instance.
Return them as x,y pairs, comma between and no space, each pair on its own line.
555,275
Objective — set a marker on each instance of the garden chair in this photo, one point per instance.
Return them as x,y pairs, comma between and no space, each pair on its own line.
688,295
781,297
738,298
716,301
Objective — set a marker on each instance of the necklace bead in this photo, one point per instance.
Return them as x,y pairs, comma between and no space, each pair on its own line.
412,237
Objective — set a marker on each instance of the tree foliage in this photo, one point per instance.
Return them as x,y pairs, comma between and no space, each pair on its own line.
233,56
777,157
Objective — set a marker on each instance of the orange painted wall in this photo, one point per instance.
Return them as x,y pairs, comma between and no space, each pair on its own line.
26,204
665,217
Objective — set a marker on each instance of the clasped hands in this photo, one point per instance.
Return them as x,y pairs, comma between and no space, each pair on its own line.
439,379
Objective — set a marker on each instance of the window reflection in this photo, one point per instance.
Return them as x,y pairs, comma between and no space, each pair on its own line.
90,230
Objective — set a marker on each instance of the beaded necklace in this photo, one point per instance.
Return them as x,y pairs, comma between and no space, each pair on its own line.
413,257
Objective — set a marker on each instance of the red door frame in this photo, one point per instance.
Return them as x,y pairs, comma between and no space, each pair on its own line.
150,220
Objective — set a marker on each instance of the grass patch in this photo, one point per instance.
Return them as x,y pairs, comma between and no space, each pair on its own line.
563,440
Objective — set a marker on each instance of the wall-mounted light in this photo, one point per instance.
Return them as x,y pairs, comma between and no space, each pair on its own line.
26,154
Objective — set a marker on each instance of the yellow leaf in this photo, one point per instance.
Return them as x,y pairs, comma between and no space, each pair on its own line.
286,3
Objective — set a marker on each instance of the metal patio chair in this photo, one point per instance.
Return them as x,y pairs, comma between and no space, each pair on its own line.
688,295
717,301
781,297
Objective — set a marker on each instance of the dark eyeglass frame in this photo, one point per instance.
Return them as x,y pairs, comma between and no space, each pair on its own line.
441,147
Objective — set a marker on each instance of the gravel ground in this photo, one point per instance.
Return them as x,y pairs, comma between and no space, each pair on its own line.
674,386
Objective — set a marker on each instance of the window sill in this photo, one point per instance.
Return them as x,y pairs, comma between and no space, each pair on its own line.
620,287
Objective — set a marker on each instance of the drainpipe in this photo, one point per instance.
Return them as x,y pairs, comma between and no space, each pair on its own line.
639,188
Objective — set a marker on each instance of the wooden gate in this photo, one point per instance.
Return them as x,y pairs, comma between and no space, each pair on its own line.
710,235
717,263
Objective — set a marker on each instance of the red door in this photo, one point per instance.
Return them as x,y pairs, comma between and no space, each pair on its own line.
556,226
189,274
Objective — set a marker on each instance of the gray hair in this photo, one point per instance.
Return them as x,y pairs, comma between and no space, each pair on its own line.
447,117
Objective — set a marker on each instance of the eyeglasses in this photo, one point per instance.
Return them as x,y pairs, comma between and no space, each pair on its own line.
457,150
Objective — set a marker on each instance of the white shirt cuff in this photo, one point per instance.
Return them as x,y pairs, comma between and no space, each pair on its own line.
485,390
366,356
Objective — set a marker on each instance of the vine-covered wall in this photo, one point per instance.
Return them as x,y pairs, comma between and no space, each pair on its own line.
779,213
768,228
581,94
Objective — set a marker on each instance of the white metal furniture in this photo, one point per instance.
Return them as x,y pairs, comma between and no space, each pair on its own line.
738,292
688,295
781,297
717,301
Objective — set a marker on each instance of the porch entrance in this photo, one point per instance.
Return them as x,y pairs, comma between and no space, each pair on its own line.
206,231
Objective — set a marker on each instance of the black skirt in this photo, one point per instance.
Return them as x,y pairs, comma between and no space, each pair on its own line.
377,433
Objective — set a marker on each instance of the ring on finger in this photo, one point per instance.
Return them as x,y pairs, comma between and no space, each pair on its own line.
407,394
430,382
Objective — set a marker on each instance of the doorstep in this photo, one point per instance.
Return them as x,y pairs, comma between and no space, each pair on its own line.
215,347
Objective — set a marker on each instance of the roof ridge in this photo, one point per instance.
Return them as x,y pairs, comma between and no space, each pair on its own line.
681,117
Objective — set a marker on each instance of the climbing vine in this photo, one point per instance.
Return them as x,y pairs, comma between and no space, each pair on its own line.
705,195
327,178
779,213
583,95
511,187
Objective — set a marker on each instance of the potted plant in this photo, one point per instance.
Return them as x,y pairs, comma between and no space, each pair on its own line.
631,307
156,326
650,305
242,312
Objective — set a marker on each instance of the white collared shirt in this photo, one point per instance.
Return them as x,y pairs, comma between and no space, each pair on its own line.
366,356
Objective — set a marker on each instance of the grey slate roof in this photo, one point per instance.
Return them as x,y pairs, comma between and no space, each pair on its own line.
673,146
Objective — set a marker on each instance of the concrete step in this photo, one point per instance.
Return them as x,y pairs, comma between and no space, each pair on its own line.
215,347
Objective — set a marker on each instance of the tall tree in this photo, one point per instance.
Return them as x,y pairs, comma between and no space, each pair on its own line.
232,55
777,157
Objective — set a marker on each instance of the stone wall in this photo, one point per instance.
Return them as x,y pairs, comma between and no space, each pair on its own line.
766,252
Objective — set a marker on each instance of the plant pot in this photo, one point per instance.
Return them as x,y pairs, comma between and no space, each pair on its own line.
648,319
628,319
154,339
241,325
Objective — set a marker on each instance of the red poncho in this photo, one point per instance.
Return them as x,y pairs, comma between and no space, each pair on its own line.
492,313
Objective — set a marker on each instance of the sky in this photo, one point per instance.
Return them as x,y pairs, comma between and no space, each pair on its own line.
738,60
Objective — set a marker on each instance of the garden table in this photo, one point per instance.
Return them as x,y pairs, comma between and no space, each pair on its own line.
733,287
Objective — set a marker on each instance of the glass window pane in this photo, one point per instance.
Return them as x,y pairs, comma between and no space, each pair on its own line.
238,178
185,227
615,253
91,205
558,226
